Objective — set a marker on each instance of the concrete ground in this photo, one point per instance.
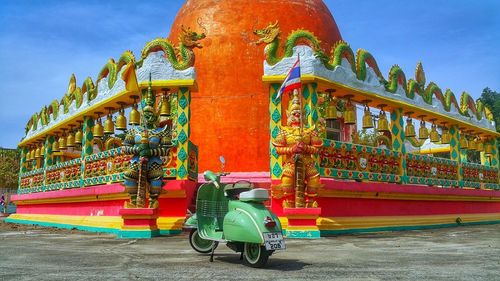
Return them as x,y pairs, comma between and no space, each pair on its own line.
460,253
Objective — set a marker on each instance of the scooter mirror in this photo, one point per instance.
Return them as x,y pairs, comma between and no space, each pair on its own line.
222,163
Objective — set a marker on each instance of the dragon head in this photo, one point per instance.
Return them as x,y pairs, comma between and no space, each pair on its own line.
268,34
190,38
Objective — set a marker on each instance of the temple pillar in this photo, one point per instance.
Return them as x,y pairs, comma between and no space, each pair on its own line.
87,144
398,139
275,113
183,132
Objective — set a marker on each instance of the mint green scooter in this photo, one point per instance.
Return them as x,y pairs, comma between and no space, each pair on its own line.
235,214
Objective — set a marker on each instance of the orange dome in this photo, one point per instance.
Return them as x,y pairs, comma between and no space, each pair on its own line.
229,113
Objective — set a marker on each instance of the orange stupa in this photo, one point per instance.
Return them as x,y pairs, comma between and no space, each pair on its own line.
230,111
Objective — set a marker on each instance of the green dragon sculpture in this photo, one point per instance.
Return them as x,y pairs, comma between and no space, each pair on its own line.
181,57
89,88
271,36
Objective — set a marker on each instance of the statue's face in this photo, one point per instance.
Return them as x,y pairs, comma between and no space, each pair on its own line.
149,115
294,118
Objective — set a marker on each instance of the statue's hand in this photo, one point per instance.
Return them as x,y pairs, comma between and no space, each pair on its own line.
144,151
298,148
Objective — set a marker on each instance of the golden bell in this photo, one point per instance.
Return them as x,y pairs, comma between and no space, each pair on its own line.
28,155
480,145
488,148
121,121
78,137
383,124
367,119
55,146
473,145
42,151
445,136
70,140
410,129
464,144
331,110
423,133
349,114
134,116
165,107
98,130
109,126
434,135
62,143
37,152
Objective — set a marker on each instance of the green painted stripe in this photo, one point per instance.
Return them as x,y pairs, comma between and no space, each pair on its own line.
401,228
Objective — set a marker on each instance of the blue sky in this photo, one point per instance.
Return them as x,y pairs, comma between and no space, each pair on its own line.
43,42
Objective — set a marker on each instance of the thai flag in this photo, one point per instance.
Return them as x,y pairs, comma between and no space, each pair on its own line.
292,79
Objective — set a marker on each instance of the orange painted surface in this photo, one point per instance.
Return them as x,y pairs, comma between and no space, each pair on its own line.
230,111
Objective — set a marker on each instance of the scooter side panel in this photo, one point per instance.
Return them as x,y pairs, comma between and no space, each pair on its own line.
245,222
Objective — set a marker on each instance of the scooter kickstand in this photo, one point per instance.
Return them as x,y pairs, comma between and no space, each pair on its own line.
212,254
241,256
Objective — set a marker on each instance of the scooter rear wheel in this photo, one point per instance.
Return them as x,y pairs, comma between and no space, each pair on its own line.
199,244
255,255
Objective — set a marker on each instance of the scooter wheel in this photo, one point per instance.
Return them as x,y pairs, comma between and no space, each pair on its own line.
255,255
199,244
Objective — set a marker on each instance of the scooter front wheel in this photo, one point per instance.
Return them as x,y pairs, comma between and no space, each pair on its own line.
199,244
255,255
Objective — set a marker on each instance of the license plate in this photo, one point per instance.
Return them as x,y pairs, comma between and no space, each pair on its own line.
274,241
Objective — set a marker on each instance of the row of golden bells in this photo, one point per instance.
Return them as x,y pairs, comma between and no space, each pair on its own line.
99,130
121,122
349,116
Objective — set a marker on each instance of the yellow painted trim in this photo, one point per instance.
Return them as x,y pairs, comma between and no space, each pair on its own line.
137,227
302,228
169,83
170,222
403,196
433,150
90,221
339,223
381,99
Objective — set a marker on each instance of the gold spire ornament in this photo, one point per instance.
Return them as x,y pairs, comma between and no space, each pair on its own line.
367,118
410,128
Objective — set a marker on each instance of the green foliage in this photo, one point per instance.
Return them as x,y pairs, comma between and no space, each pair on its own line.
491,99
9,167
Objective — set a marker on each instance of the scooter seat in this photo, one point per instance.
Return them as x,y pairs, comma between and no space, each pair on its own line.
256,194
232,191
